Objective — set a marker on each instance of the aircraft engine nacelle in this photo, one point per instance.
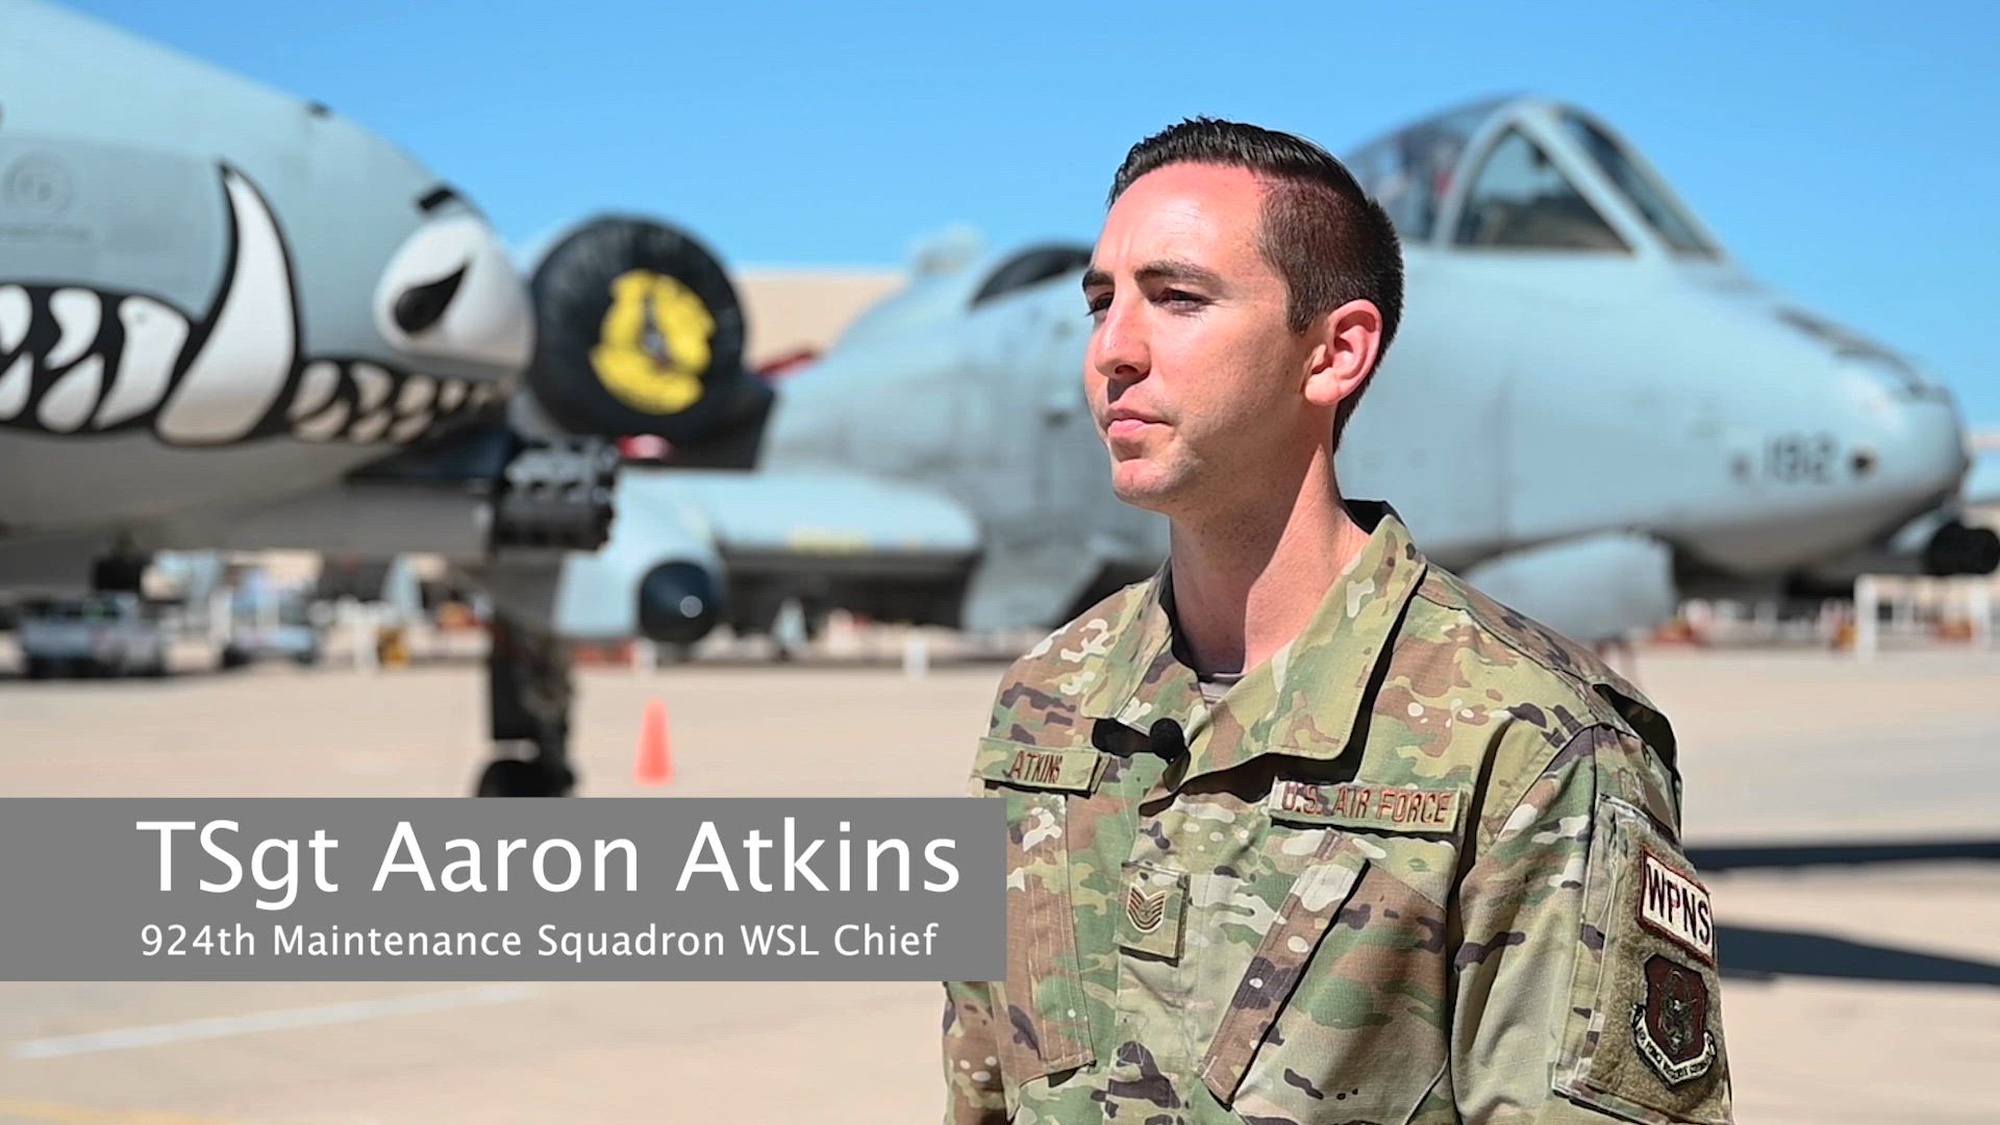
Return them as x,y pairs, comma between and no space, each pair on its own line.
639,331
1959,549
659,577
612,596
679,602
1938,543
1594,588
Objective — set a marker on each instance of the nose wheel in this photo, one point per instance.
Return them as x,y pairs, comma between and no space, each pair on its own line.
521,777
121,570
529,684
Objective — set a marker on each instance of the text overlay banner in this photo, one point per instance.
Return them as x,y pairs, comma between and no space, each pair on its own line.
450,889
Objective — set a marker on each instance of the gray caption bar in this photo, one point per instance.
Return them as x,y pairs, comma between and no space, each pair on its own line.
126,889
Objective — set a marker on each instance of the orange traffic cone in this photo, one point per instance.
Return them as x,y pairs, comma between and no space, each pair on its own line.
655,765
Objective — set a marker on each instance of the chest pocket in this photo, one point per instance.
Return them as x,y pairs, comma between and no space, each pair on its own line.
1339,1015
1044,1007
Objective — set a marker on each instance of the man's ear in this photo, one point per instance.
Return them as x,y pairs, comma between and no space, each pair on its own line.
1350,340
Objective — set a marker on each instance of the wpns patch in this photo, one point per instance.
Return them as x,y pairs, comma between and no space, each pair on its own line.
1676,907
1671,1027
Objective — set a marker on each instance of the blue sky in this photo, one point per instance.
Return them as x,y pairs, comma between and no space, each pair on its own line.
1845,152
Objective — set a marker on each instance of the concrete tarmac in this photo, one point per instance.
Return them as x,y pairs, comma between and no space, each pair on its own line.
1860,994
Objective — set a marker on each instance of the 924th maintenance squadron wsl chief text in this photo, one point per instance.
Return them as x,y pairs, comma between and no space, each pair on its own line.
785,939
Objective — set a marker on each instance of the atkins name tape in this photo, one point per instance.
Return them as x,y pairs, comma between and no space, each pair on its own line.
621,889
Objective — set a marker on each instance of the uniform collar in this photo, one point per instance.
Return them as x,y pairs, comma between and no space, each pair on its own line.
1305,699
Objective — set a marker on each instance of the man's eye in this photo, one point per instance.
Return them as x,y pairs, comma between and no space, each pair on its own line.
1097,305
1181,297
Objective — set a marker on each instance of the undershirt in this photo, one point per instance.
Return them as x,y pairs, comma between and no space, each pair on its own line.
1213,687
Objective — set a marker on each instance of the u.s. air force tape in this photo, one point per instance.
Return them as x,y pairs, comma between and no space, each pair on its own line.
446,889
1368,807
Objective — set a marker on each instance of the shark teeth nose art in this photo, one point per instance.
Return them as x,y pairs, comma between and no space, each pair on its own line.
76,312
363,402
317,387
68,404
15,384
255,329
79,361
154,335
15,310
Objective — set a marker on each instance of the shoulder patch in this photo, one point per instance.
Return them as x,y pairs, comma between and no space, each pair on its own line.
1644,1039
1671,1026
1676,907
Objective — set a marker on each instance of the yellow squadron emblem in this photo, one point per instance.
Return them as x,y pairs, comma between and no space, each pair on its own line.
653,348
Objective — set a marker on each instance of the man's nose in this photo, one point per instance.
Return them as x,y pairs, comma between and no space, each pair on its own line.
1118,348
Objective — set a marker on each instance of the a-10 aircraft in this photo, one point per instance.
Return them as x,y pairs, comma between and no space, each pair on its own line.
230,319
1591,411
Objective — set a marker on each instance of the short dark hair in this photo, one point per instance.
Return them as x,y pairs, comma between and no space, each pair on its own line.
1330,242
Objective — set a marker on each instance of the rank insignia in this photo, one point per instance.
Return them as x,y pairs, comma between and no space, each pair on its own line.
1145,911
1671,1027
1154,900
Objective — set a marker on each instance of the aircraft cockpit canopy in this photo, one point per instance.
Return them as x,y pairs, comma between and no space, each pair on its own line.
1648,196
1031,266
1531,175
1411,172
1520,199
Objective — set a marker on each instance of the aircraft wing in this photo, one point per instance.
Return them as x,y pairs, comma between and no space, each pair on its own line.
691,545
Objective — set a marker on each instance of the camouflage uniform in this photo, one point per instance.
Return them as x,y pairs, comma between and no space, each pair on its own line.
1421,866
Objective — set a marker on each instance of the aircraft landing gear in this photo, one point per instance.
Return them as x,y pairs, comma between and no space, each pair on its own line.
518,777
122,570
529,695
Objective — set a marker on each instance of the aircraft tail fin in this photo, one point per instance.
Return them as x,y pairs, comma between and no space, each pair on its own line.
948,251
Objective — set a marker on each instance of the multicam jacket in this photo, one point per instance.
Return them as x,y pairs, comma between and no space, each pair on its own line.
1421,866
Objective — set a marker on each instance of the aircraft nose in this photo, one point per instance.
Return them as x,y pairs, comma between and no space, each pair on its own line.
1909,442
1933,442
1833,458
